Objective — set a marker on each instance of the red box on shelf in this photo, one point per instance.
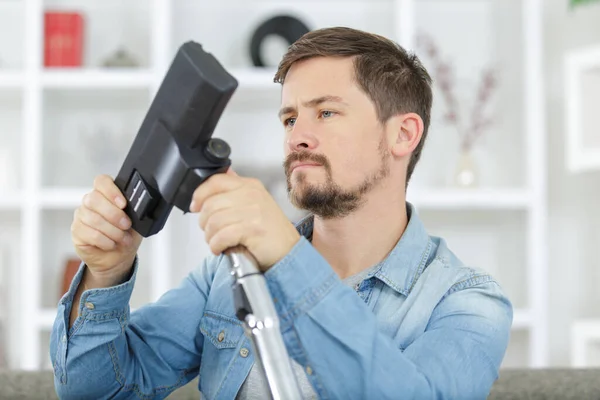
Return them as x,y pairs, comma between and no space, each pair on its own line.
63,39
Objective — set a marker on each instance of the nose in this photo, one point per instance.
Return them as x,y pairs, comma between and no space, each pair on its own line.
302,137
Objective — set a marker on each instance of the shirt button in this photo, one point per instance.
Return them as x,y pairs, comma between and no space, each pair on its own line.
89,306
221,336
244,352
309,370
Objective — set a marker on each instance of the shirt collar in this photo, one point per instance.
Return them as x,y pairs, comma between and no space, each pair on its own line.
407,260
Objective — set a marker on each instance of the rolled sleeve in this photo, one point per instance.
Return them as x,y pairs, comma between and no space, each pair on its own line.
98,303
112,353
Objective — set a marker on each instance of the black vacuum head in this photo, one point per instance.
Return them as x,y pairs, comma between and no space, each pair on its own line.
174,151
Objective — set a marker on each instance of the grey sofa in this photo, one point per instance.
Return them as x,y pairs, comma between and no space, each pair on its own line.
548,384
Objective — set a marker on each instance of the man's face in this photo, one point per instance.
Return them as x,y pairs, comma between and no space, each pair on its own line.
336,149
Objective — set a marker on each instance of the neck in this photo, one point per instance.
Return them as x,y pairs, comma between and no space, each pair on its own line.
363,238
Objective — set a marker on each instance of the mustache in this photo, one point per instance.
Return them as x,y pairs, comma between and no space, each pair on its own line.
302,156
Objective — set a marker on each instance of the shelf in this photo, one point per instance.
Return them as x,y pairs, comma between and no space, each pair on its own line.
521,319
255,78
115,79
10,201
589,327
96,78
11,80
62,198
492,199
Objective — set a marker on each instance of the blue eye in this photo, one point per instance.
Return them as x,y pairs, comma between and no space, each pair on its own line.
327,113
289,122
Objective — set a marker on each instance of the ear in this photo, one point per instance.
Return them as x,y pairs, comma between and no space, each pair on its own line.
405,132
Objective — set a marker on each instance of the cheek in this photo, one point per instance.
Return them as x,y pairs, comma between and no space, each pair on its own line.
354,160
349,164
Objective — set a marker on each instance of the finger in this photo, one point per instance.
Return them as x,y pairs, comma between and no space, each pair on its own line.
105,185
215,204
85,236
100,204
222,219
216,184
95,221
226,238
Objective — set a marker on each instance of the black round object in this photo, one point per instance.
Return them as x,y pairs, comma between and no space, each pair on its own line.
217,150
287,27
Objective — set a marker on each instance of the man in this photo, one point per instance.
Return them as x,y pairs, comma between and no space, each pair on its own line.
370,305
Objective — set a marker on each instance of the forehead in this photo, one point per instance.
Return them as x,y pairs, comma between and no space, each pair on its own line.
315,76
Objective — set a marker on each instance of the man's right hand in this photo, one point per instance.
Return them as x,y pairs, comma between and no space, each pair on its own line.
102,235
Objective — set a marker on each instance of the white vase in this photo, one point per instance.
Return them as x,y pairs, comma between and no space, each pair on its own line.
466,174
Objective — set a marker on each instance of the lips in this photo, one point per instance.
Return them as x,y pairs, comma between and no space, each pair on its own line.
304,164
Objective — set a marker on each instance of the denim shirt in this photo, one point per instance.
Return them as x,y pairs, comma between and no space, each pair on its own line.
421,325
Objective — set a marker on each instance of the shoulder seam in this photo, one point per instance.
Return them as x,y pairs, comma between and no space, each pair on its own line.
471,281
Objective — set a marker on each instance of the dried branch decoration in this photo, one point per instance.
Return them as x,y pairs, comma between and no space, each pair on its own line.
443,76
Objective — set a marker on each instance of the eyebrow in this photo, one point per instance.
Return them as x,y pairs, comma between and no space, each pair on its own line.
313,103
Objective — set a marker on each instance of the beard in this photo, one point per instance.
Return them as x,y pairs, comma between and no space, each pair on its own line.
329,200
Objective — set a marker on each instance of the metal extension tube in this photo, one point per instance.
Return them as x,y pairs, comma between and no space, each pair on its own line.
255,308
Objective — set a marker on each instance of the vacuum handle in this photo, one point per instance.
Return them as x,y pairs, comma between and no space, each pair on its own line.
255,308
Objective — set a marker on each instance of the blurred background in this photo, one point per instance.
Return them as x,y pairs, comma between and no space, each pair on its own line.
510,173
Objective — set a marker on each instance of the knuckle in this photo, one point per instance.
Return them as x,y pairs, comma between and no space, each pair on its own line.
115,217
119,235
102,182
73,227
209,226
202,223
256,221
216,243
91,219
87,200
99,239
91,199
98,180
208,205
96,237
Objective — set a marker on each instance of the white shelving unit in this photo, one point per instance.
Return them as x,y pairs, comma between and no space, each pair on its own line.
39,202
92,79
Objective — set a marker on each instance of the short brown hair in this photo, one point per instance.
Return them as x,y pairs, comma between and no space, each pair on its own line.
394,79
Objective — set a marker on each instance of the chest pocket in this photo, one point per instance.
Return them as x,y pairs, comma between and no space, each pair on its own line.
221,331
223,335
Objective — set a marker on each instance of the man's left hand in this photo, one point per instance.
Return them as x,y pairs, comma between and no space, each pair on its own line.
235,210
